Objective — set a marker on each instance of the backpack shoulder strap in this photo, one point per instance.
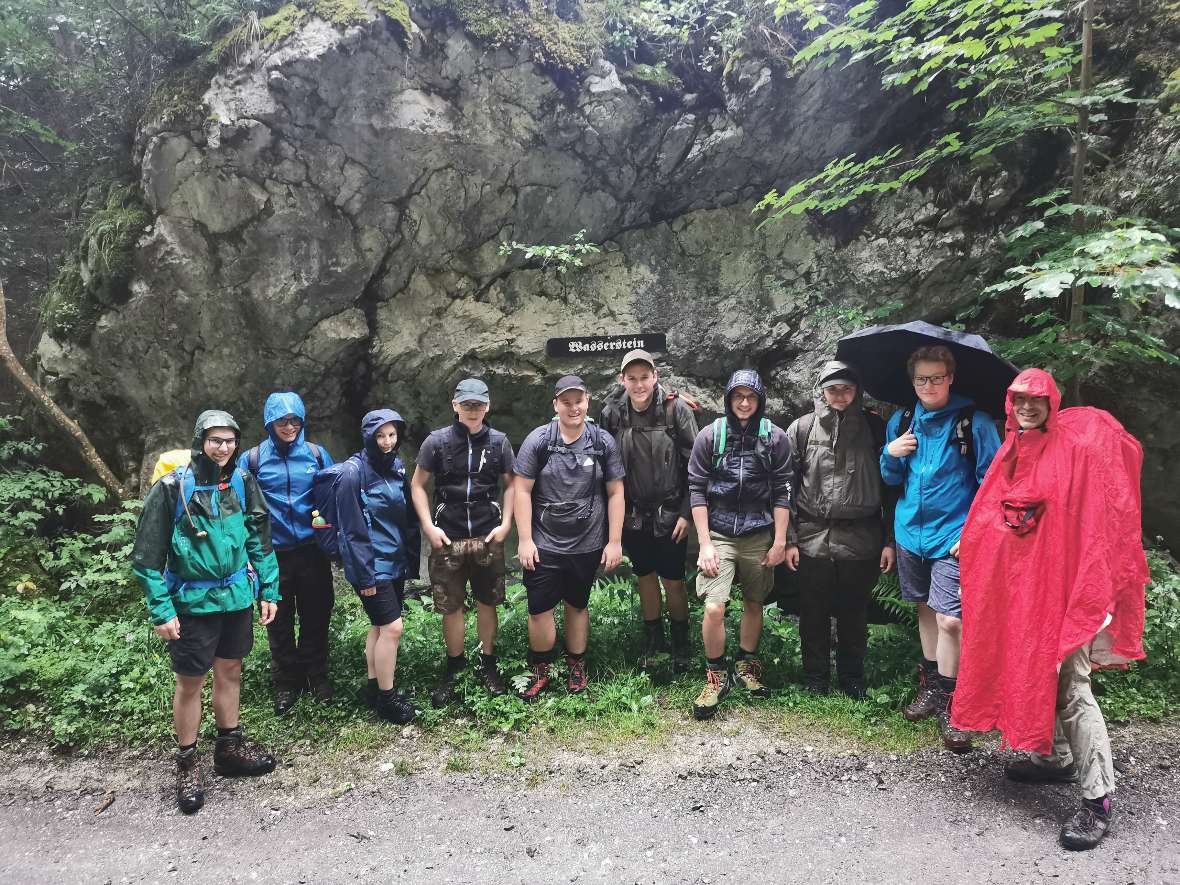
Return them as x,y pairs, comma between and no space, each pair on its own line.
964,433
907,420
252,458
720,428
876,427
802,436
316,453
184,491
238,483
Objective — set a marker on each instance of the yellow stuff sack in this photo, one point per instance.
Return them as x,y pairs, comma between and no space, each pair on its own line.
169,461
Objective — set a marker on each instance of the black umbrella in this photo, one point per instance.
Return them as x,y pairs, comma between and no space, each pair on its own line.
880,353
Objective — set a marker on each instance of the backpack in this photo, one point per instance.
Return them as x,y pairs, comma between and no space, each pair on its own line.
188,487
323,500
253,456
807,423
720,439
670,398
962,436
168,462
553,443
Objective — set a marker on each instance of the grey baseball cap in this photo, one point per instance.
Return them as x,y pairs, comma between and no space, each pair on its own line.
640,356
568,382
471,390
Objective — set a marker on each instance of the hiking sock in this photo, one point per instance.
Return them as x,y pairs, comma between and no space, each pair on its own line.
373,689
186,748
655,627
456,664
488,662
1101,805
571,656
929,668
542,657
717,663
742,654
679,631
947,684
226,732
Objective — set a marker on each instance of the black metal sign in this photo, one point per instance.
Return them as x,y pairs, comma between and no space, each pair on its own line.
606,345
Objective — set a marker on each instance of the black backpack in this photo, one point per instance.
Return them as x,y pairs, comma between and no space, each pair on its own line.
962,437
553,444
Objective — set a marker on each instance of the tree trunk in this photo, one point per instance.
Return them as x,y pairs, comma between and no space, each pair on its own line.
45,403
1077,298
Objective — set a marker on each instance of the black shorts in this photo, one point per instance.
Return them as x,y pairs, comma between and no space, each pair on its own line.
650,554
561,577
228,635
385,606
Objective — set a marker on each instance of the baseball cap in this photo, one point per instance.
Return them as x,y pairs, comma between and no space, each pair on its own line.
841,375
568,382
637,356
471,390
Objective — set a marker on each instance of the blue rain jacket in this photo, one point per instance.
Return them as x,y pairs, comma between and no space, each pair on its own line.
379,533
285,474
938,484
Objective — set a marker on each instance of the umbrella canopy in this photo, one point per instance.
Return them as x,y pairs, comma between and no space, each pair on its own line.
880,352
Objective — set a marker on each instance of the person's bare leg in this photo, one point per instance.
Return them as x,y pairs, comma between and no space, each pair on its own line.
385,653
486,626
928,631
577,629
227,692
454,627
186,708
713,630
677,600
649,596
751,628
542,631
370,641
950,635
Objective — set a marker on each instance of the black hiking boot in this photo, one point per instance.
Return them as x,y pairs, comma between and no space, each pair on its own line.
1026,771
926,702
394,706
444,692
487,671
853,687
286,698
654,644
682,659
817,684
1088,826
234,756
954,739
321,690
190,785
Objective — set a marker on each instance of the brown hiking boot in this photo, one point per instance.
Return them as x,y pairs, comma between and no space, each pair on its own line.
321,690
190,785
717,685
954,739
488,674
926,702
747,673
234,756
538,682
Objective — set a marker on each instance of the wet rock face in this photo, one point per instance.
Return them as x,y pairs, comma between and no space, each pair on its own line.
330,222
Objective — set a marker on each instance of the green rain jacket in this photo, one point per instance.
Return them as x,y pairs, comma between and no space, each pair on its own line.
238,535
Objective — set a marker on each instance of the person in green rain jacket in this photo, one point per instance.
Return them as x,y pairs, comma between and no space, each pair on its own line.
203,554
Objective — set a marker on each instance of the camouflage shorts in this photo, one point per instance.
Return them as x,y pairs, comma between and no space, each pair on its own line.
469,559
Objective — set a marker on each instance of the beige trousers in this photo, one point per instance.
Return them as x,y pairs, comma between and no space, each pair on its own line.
1079,736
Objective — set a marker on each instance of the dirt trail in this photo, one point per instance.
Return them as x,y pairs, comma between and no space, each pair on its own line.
714,805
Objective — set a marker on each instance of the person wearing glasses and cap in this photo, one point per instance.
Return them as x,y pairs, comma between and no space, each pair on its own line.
471,464
655,430
203,555
286,464
569,520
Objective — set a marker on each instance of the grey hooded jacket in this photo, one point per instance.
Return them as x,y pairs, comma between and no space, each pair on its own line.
842,508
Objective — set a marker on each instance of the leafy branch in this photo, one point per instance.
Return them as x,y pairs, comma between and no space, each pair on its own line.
562,256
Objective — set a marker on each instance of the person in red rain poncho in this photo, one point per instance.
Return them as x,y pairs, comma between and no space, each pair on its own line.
1053,576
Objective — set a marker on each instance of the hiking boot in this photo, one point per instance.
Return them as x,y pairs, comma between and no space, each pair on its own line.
285,700
954,739
489,677
575,679
816,684
234,756
321,690
717,685
394,706
190,785
368,694
747,673
926,702
853,687
682,657
1086,828
654,645
1026,771
444,692
538,682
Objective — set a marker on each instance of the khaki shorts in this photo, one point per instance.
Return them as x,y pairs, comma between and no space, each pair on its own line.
469,559
741,559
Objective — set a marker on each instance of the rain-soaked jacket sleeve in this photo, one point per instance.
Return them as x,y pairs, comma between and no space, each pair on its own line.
782,467
149,557
987,443
686,434
356,548
258,546
700,468
893,469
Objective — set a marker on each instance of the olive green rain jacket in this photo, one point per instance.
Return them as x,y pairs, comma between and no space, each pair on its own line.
222,571
842,509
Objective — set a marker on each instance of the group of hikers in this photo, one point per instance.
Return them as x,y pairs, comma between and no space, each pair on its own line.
838,498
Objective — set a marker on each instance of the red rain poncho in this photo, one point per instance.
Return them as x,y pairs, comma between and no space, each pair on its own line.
1051,558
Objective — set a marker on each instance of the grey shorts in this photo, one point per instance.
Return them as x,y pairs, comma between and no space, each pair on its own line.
932,581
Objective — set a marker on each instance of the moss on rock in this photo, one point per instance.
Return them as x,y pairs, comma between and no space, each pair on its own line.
656,78
285,22
398,12
179,99
552,41
1170,97
341,13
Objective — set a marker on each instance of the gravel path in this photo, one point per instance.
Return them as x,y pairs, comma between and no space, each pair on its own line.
725,803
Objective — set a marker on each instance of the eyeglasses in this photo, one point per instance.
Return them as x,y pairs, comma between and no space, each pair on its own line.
289,422
936,380
472,406
219,443
744,397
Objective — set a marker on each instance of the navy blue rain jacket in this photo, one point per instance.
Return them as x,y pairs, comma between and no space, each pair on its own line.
752,480
379,532
285,474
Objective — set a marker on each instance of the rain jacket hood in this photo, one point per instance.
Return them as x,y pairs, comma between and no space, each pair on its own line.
205,468
370,424
751,379
1052,559
279,405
